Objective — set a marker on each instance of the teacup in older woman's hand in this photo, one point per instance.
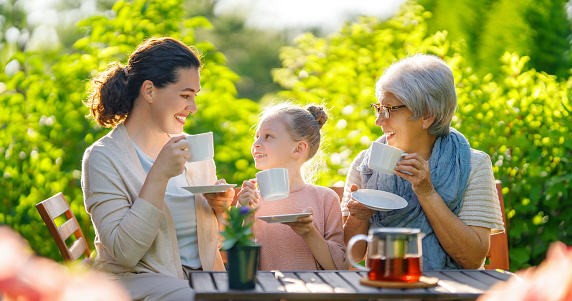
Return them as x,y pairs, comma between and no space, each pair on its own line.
384,157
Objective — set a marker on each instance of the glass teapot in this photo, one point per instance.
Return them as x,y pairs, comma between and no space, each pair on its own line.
393,254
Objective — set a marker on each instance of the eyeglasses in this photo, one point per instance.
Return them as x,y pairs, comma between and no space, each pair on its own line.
383,110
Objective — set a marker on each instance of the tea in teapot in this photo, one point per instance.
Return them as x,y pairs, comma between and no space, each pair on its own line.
394,254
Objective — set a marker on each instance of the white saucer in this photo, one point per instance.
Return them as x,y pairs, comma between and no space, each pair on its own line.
209,188
285,218
379,200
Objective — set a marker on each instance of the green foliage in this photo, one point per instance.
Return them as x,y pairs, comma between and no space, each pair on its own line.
539,29
341,71
521,120
45,131
238,228
519,116
528,114
251,53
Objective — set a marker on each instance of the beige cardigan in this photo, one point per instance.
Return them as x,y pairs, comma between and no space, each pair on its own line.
133,236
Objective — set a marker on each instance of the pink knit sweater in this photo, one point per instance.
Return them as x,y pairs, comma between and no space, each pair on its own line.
282,248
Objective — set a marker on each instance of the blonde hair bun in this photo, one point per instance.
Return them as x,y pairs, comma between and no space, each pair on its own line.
319,113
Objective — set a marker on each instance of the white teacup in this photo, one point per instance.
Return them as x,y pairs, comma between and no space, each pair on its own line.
201,147
273,184
384,157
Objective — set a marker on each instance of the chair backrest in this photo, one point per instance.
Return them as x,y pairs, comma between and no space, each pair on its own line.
51,209
498,252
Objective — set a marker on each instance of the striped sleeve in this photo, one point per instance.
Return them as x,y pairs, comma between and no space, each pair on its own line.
354,177
480,202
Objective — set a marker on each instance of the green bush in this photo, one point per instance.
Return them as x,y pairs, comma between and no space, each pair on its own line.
45,131
520,118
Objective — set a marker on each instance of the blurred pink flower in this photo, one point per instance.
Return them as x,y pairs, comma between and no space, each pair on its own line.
25,277
549,281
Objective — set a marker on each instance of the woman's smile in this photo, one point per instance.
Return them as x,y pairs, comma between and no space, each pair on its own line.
181,118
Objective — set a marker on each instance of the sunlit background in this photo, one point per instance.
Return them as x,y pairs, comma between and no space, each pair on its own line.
511,60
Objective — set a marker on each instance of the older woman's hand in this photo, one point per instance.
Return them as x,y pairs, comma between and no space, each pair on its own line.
248,196
358,210
415,169
220,201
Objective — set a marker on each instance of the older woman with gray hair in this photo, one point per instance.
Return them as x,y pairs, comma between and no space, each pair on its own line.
449,187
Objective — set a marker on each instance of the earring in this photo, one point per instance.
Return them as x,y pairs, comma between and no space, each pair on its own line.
423,126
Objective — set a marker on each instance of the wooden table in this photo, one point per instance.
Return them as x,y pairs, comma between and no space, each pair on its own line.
342,285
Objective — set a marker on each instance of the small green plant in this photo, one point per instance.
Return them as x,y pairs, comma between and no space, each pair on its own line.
238,228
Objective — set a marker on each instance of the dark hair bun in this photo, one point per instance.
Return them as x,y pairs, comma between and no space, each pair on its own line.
318,113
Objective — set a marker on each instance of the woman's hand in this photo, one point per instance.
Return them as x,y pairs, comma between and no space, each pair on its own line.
171,160
169,163
419,174
248,196
303,226
220,201
358,210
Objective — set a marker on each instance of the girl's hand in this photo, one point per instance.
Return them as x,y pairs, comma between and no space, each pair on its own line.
358,210
248,196
171,160
304,225
419,173
220,201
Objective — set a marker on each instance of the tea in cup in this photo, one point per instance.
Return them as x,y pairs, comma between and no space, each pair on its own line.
273,184
393,254
384,157
201,147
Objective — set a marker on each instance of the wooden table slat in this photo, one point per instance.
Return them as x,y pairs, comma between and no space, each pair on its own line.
501,275
482,278
458,282
291,282
202,282
269,283
314,283
342,285
353,279
337,282
221,281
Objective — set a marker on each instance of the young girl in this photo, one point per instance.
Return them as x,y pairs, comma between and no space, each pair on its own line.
287,137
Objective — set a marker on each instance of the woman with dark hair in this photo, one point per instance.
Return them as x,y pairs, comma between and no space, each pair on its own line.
149,231
449,187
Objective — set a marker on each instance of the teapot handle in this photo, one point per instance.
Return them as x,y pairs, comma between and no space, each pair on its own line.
351,243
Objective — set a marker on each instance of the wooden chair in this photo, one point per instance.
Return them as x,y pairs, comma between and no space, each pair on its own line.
51,209
498,252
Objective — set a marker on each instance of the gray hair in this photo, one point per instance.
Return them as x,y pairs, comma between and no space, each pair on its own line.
425,84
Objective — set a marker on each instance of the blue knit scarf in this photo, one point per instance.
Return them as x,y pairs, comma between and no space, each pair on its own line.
449,166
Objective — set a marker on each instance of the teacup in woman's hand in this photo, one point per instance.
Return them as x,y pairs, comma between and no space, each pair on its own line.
384,157
201,147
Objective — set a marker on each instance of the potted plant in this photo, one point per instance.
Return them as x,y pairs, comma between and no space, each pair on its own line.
242,252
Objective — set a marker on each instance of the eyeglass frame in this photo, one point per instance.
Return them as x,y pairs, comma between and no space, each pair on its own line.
386,111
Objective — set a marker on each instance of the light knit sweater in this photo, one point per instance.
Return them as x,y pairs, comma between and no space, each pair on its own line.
283,249
480,201
133,236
